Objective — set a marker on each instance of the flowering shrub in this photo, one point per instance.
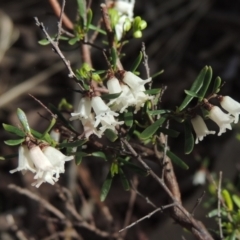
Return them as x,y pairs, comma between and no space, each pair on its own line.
118,109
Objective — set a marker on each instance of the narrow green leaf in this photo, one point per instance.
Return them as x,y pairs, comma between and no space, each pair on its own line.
213,213
169,132
81,154
114,168
60,116
136,63
110,96
13,129
46,138
114,56
43,42
217,85
124,180
236,200
99,154
23,119
128,119
149,131
52,123
14,142
106,187
157,74
82,10
227,198
72,144
6,157
178,161
73,41
111,135
192,94
153,91
92,27
196,86
89,18
78,158
134,167
189,140
206,83
158,112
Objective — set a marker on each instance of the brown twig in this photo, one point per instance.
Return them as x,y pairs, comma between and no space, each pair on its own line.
57,10
199,200
60,22
219,205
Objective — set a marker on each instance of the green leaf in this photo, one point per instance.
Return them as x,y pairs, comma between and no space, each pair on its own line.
111,135
81,154
99,154
227,199
72,144
196,86
60,116
110,96
136,62
73,41
44,42
114,168
128,118
133,167
206,83
192,94
39,135
213,213
13,129
178,161
124,180
52,123
82,10
92,27
23,119
236,200
10,156
189,140
14,142
217,85
157,74
78,158
114,56
169,132
106,187
153,91
89,18
149,131
158,112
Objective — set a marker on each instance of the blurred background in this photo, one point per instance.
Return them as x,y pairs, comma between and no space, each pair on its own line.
182,37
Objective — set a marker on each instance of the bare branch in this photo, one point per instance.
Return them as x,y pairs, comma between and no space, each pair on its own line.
219,205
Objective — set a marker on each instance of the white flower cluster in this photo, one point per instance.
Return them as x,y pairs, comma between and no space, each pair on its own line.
222,119
47,163
132,94
125,10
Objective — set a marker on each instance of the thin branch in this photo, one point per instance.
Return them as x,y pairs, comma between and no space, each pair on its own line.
148,216
219,205
145,63
60,21
130,205
57,50
57,10
44,106
198,202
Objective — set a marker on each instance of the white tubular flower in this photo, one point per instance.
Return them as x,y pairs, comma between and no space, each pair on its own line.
104,115
88,126
119,27
43,177
124,100
231,106
200,128
40,161
56,158
55,135
222,119
133,81
84,109
24,160
125,7
199,177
